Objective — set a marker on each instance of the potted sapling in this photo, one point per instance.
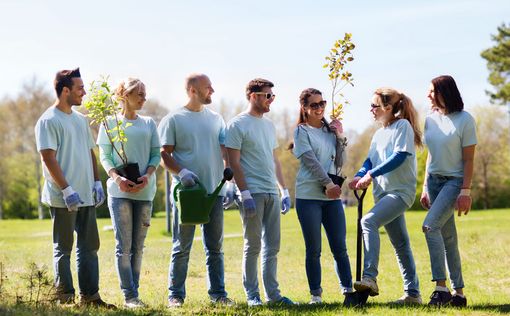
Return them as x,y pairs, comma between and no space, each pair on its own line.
104,109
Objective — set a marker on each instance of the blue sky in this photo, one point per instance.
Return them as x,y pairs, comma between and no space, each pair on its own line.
402,44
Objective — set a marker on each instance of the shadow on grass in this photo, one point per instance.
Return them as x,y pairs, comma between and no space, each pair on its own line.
497,308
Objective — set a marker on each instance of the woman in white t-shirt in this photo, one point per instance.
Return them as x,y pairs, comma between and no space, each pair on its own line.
450,135
391,164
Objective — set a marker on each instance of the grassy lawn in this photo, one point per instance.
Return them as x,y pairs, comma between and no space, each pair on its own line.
483,235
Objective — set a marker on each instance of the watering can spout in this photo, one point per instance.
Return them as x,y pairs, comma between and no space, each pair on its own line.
228,174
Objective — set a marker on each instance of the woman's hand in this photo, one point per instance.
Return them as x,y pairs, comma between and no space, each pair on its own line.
424,199
144,182
352,184
333,192
364,182
336,127
463,202
124,184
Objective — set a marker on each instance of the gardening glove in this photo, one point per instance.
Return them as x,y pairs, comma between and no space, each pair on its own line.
285,201
188,178
228,199
98,193
72,199
249,207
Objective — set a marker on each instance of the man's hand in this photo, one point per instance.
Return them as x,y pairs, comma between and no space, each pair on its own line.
352,184
72,199
229,197
188,178
98,193
249,207
364,182
463,202
285,201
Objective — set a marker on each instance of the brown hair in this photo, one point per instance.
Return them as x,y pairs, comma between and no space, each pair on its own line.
64,78
256,85
402,109
303,117
446,87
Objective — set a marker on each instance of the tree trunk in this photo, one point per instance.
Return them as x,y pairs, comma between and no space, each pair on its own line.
1,211
486,190
40,209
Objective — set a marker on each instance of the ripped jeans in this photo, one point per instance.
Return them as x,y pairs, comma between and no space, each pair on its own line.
440,231
131,220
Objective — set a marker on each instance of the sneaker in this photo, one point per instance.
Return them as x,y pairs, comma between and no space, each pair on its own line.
367,284
407,299
175,301
316,299
133,303
458,301
223,300
255,301
440,298
282,301
98,303
351,299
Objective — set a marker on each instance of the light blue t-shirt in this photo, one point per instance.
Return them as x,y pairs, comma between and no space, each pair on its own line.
399,136
197,137
142,147
323,144
70,136
256,139
445,136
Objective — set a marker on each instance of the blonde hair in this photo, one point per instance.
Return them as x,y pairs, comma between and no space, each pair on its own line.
126,86
402,108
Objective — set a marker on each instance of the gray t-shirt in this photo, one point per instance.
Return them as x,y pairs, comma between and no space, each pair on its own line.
70,136
197,137
399,136
256,139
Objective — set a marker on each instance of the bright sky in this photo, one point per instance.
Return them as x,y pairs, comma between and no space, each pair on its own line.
403,45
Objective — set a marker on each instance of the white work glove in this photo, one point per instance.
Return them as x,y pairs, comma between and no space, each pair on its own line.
98,193
285,201
72,199
187,177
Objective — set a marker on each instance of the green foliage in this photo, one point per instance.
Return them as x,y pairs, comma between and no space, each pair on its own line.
39,287
498,63
102,105
339,56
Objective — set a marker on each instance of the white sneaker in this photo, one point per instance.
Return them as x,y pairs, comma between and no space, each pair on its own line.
316,299
134,303
367,284
407,299
256,301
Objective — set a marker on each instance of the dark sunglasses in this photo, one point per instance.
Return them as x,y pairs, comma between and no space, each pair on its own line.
267,94
316,105
374,106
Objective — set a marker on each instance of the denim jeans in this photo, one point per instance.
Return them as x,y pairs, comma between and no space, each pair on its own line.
389,212
311,214
131,220
65,223
212,237
440,230
262,232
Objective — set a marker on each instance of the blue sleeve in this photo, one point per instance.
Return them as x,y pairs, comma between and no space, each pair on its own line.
367,165
392,163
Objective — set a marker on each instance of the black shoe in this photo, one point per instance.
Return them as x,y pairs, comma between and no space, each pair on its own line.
98,303
440,298
351,299
458,301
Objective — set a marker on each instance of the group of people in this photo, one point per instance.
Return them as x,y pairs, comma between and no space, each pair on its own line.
195,145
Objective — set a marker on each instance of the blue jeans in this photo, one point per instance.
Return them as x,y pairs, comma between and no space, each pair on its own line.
65,223
311,214
212,237
131,220
389,212
262,232
440,231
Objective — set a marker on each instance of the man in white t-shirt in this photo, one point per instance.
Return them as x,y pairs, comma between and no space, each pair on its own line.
192,140
71,189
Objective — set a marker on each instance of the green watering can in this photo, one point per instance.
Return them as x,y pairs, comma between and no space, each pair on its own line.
194,203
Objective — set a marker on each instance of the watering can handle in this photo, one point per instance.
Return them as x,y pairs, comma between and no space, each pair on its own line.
179,185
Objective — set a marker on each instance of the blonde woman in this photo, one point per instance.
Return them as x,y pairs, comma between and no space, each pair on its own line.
130,203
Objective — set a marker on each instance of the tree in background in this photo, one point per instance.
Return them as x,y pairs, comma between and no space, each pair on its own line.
498,63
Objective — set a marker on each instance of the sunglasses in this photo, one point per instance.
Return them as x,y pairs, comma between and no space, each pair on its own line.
267,94
316,105
374,106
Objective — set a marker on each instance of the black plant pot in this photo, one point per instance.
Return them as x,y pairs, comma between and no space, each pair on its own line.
338,180
130,172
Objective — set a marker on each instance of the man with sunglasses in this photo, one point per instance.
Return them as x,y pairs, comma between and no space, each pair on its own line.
251,144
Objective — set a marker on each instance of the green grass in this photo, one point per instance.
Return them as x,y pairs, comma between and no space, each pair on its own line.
483,238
